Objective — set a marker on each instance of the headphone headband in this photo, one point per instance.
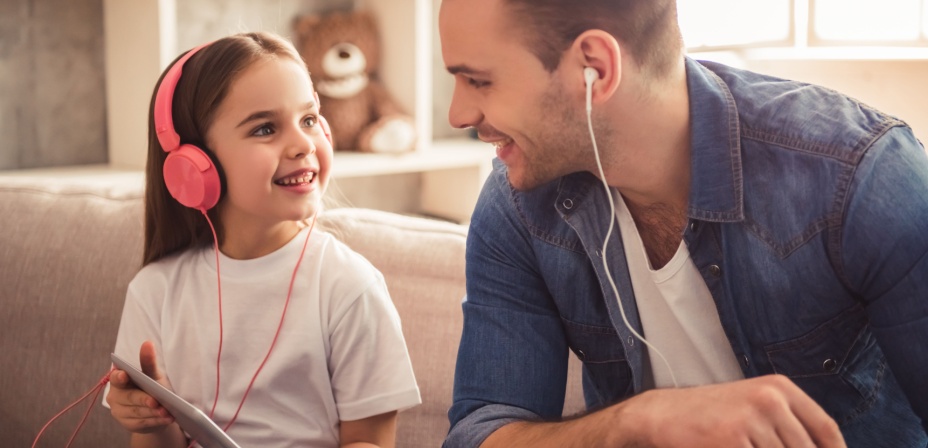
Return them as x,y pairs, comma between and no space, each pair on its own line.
164,101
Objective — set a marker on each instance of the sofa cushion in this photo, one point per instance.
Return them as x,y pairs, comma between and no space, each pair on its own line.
66,256
69,247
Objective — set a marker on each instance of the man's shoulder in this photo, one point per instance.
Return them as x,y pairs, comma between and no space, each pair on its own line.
802,116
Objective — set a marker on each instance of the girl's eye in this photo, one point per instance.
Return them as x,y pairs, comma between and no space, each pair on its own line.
310,121
263,130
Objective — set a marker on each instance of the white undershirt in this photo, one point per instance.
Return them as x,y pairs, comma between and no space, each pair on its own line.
677,313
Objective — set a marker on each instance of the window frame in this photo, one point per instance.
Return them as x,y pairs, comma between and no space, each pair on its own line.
788,41
815,41
802,34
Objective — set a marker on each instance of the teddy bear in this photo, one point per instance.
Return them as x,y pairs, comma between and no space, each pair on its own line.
341,50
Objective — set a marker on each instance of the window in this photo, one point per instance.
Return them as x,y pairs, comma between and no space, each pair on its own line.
886,21
716,24
925,19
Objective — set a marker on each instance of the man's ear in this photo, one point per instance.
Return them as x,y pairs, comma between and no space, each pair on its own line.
600,51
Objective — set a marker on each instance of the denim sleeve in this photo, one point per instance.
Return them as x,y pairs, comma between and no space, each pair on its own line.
884,249
512,361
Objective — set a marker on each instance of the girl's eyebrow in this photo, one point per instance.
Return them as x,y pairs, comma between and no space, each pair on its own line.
261,115
265,114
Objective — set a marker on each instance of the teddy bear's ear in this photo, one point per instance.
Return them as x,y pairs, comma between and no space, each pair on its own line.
303,25
366,19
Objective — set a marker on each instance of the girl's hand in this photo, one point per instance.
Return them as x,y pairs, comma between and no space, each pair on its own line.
132,407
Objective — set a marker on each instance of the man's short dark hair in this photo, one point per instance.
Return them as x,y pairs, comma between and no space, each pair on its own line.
647,29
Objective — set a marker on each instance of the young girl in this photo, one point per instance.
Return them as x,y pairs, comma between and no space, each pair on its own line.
284,336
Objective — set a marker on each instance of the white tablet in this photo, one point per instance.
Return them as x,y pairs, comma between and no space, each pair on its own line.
192,420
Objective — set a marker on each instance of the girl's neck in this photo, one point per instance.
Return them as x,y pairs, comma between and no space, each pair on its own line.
244,242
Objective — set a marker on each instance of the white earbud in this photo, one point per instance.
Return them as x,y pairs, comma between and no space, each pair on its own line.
590,75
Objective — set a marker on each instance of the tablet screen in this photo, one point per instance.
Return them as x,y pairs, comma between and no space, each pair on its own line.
192,420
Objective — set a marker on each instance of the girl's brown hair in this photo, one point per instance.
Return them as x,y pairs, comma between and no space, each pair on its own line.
207,76
647,28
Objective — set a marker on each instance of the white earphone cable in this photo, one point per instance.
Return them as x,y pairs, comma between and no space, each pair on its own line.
613,218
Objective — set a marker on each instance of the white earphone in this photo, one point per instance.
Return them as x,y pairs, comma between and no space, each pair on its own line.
590,75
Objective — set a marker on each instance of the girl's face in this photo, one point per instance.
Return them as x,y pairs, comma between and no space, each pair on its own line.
273,151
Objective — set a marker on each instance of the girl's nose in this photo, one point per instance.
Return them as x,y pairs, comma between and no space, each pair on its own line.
302,145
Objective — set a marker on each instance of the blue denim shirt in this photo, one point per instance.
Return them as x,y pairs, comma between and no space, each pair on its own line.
809,223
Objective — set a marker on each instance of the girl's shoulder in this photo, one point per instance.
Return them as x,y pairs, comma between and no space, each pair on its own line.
339,255
165,268
341,267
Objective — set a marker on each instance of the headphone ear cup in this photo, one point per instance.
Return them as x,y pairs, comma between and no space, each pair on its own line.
192,178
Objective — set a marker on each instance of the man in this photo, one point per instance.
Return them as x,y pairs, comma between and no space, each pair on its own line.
770,243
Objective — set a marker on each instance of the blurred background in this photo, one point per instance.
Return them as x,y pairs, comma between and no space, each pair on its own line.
76,77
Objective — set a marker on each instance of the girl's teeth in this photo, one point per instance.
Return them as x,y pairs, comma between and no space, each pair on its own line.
297,180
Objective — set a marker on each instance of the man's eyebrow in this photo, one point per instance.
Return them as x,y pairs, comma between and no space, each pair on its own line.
463,69
264,114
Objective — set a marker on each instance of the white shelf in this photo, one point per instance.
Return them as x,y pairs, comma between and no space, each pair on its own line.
453,173
440,155
143,35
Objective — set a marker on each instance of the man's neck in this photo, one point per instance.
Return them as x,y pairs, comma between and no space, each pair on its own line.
648,155
651,162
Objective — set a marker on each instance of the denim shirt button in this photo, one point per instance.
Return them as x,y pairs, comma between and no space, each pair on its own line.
745,361
715,271
693,225
581,355
829,365
599,253
568,204
631,341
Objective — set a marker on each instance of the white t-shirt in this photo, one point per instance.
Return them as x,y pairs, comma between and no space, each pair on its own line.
677,313
340,355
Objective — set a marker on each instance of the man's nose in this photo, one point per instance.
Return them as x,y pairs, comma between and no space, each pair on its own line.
464,111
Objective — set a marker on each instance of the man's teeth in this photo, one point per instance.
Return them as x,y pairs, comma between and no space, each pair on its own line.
502,143
304,179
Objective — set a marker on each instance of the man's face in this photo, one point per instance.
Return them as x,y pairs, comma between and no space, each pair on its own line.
502,90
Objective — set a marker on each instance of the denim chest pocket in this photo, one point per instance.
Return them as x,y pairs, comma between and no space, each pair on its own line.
838,364
607,377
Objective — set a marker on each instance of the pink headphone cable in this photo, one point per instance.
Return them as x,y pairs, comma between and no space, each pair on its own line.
276,334
96,391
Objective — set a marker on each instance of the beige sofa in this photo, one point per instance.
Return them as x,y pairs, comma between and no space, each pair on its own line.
69,246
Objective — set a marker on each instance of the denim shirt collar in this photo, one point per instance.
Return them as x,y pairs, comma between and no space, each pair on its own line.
717,190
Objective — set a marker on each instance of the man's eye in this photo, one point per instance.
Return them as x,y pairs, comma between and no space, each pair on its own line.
477,83
310,121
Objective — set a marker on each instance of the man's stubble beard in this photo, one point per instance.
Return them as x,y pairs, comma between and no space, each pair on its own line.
561,148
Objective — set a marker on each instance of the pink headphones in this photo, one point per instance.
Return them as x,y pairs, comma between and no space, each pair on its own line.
189,173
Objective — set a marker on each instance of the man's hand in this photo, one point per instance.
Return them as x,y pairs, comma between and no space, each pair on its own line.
768,411
134,409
